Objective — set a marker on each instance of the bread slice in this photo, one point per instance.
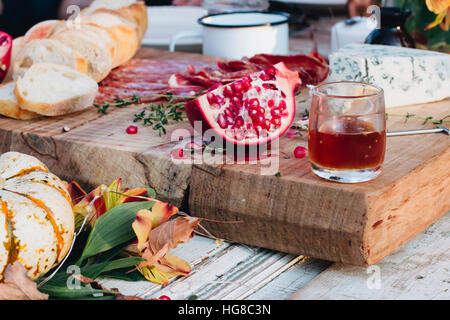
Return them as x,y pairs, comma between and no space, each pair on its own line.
122,31
94,45
16,48
9,106
131,10
47,50
43,30
53,89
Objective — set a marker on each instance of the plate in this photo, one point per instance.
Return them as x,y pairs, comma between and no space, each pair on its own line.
166,21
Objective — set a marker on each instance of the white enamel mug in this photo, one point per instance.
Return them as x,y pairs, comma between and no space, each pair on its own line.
234,35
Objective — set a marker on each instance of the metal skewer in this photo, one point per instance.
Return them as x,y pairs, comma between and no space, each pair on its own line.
410,132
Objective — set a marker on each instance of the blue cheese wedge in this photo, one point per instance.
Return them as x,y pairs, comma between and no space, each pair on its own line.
407,76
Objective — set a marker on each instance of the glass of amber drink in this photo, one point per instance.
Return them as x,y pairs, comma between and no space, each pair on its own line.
347,131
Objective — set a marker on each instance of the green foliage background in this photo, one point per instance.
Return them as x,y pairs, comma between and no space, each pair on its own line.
438,39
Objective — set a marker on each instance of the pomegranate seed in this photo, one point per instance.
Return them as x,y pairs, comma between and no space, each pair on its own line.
275,112
300,152
223,123
132,130
239,121
271,71
211,98
228,112
258,89
276,121
181,153
268,124
164,298
238,86
265,77
253,103
283,95
253,112
271,103
261,110
259,120
237,102
282,105
220,100
228,92
291,133
269,86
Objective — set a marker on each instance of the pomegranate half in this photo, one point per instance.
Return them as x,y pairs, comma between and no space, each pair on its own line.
253,110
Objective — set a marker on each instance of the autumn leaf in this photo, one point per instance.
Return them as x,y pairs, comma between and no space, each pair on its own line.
142,226
167,236
76,192
17,285
105,197
159,266
146,220
132,195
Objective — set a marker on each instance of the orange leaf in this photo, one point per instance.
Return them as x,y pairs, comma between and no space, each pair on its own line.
129,196
76,192
17,285
142,227
174,265
167,236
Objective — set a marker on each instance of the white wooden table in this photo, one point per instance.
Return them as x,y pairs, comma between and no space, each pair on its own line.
221,270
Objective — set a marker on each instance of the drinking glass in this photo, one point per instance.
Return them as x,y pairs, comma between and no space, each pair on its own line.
347,131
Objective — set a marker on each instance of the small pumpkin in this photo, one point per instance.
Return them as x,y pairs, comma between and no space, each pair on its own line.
36,216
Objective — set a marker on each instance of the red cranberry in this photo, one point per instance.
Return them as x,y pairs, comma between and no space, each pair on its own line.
164,298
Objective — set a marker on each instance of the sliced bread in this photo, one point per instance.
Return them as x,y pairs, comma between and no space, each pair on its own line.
94,45
47,50
43,30
16,48
131,10
122,31
53,90
9,106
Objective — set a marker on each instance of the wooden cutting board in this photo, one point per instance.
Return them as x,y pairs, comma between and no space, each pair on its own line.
296,213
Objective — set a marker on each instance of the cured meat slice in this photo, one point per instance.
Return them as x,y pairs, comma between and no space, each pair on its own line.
312,69
144,78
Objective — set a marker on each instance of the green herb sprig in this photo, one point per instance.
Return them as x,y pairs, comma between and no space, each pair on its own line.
424,119
156,115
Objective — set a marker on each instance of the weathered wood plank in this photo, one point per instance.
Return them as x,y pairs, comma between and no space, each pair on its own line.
418,270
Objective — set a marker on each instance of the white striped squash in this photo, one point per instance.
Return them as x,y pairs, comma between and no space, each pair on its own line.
36,218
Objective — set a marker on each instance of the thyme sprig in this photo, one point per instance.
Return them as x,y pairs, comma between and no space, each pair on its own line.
158,115
136,99
424,119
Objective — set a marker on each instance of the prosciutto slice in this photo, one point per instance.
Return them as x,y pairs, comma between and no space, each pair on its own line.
144,77
312,69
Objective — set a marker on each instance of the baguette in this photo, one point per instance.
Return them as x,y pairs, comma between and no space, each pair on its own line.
9,106
53,90
47,50
16,48
131,10
123,32
43,30
94,45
